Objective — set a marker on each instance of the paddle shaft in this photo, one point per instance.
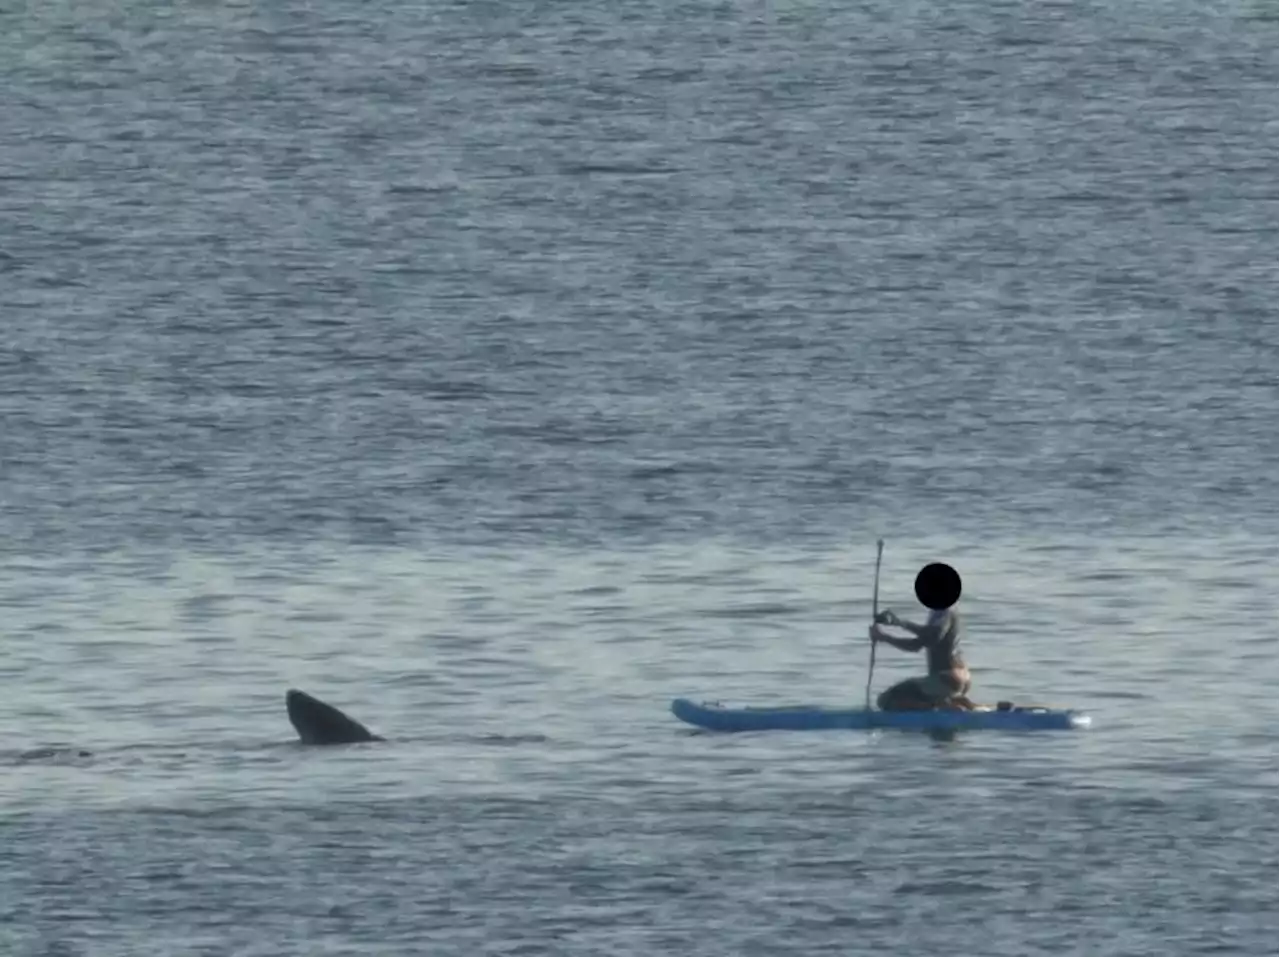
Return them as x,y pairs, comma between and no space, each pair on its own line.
875,611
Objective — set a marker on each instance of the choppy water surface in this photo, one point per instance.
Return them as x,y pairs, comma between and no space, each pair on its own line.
500,373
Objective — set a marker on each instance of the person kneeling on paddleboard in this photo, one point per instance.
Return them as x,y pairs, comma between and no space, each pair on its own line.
947,683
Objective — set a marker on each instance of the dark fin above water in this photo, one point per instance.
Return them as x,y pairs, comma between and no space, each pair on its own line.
320,723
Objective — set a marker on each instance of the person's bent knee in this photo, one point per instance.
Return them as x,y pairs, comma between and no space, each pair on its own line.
904,696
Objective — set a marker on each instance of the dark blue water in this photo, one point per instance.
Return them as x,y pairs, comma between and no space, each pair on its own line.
501,372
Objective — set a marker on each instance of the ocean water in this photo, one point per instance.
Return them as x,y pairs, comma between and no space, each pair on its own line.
499,373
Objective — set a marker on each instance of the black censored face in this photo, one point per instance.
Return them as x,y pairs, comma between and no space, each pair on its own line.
938,586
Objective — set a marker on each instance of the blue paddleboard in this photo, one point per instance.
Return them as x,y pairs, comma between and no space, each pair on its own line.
716,717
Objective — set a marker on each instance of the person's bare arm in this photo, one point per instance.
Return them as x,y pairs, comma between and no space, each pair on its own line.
920,631
925,634
902,644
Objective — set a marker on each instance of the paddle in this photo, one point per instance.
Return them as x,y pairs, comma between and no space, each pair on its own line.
875,611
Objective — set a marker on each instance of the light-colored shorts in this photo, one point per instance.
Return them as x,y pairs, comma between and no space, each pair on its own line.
944,685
